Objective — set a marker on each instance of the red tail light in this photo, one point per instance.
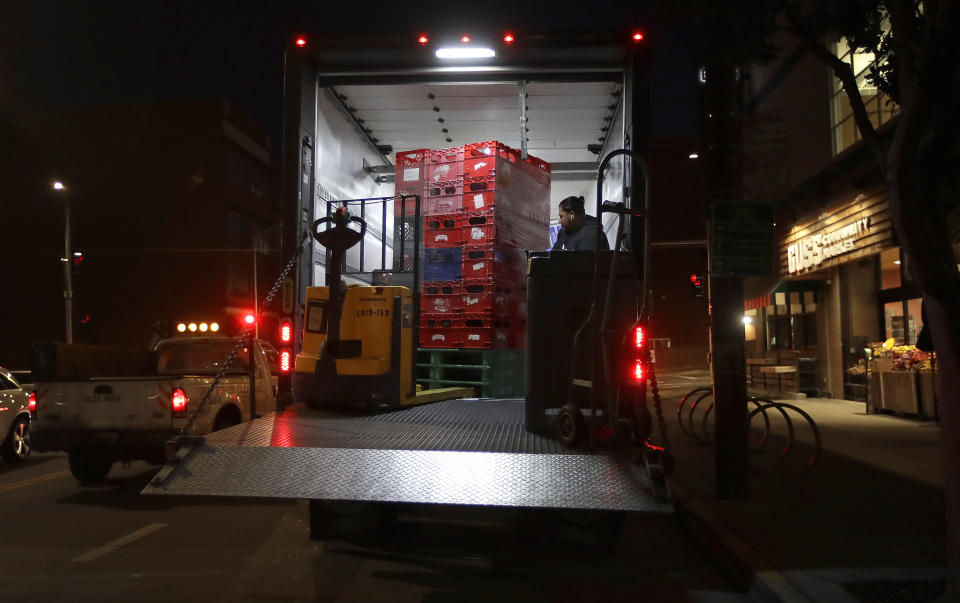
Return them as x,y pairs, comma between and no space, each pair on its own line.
178,402
249,319
301,42
285,361
32,402
638,372
286,332
423,40
637,36
640,338
508,38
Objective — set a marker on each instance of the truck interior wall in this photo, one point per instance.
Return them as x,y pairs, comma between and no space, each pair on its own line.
340,157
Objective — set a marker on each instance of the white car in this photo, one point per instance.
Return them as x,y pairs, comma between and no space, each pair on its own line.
14,419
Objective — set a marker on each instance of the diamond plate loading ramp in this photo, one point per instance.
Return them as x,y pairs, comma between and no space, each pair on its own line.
458,452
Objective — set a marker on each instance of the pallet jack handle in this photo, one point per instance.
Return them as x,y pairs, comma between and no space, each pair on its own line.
337,239
599,393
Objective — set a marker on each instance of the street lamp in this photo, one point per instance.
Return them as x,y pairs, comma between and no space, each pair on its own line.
67,258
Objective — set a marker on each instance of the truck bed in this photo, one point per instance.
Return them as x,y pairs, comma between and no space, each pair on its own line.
467,452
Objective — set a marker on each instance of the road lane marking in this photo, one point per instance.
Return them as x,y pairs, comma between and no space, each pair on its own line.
119,542
34,480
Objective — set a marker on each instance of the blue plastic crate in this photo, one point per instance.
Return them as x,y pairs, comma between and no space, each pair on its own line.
442,264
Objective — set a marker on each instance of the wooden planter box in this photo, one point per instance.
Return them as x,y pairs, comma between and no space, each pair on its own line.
898,390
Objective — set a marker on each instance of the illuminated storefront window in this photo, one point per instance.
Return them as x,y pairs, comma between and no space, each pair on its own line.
845,132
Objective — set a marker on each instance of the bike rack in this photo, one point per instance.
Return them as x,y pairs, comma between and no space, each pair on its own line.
761,406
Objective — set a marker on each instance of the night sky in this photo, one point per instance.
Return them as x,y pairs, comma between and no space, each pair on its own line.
69,52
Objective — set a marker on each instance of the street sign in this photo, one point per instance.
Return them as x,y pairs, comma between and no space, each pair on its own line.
286,296
741,239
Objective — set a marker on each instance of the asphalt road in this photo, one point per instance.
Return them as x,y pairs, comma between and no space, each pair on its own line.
64,542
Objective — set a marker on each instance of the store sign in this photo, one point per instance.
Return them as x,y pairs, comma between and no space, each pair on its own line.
810,252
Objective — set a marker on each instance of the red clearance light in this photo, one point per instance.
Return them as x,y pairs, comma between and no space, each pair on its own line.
178,402
640,337
508,38
423,40
286,332
32,402
694,278
285,361
301,42
638,370
249,319
465,39
637,36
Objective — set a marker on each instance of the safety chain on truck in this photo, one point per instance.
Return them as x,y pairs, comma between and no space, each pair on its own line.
244,337
661,423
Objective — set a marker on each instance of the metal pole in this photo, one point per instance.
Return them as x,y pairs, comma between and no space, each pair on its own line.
67,271
256,311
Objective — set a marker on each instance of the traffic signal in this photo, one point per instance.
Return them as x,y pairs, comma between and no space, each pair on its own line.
696,286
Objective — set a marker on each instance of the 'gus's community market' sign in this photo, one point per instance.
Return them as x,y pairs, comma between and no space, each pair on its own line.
810,252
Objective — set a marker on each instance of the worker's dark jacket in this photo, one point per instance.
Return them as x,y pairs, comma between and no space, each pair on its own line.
585,237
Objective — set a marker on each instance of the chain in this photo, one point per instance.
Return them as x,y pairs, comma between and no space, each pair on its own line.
661,423
244,337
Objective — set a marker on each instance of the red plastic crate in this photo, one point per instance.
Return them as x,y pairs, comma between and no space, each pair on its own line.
450,188
441,321
479,200
479,228
484,296
442,230
453,154
408,171
434,206
489,262
485,331
441,338
444,172
441,297
479,184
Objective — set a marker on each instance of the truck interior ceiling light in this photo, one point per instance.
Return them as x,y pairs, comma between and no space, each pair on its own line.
193,327
423,39
214,327
469,52
508,38
301,42
182,327
693,155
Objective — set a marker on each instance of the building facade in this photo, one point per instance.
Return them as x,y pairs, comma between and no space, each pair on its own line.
174,208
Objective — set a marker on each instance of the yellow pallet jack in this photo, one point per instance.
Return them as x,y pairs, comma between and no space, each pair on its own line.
359,342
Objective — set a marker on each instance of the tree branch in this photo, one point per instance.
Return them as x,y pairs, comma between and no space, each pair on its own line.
904,40
844,73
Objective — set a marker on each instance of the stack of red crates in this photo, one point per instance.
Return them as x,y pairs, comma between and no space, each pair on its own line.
482,207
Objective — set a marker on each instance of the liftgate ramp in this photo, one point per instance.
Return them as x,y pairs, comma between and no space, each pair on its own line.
457,452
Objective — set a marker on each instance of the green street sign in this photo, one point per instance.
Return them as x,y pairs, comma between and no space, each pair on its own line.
741,239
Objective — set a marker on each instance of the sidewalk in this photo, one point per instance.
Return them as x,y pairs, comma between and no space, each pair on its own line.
865,523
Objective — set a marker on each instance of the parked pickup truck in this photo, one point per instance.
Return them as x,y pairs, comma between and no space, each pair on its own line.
102,404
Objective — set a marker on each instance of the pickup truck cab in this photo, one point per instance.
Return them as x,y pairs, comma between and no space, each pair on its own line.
100,420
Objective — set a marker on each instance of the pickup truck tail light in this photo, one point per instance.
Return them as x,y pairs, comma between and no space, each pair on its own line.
32,403
178,403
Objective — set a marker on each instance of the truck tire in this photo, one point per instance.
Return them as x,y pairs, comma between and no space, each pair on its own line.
16,447
89,466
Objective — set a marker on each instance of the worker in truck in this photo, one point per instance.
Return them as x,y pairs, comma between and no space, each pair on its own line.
579,231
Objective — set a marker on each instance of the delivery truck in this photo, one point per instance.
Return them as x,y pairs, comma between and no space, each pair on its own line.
357,111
